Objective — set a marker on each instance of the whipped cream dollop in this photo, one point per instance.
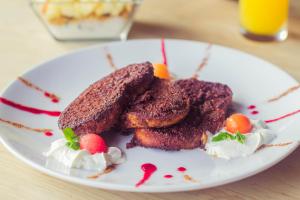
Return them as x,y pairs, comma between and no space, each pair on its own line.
259,135
82,159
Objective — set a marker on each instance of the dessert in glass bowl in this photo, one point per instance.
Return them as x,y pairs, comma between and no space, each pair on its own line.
86,19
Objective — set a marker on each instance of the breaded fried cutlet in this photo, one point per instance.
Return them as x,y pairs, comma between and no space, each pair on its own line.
99,107
209,103
164,104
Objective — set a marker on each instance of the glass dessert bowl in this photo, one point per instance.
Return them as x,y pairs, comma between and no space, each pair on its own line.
86,19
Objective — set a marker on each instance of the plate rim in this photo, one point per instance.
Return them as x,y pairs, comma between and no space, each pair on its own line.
150,189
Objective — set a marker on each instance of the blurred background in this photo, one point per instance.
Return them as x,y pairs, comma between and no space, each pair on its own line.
25,41
215,21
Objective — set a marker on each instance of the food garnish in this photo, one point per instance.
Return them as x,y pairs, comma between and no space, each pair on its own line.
93,143
240,138
238,123
72,139
161,71
227,136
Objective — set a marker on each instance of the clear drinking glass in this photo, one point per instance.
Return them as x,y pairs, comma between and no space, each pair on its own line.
264,20
86,19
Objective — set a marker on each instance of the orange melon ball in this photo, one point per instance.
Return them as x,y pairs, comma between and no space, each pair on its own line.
238,123
161,71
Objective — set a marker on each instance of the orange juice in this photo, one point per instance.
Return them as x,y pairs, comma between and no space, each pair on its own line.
263,17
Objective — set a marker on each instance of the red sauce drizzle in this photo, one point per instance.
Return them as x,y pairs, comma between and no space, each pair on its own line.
254,112
181,169
54,98
110,59
163,52
204,61
28,109
48,133
148,170
283,116
251,107
285,93
168,176
22,126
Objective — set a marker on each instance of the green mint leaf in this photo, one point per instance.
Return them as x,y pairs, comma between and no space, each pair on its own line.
223,136
72,139
219,137
232,137
69,134
227,136
73,145
240,138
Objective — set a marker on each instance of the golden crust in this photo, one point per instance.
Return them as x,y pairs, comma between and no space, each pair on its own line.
164,104
153,139
209,105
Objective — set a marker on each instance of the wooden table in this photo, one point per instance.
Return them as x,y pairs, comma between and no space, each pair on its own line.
25,42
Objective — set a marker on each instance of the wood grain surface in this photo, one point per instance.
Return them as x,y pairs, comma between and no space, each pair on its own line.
24,42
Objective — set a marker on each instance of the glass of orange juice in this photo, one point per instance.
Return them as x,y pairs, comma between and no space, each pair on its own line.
264,20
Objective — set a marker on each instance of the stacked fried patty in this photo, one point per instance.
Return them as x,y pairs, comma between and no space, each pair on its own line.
164,104
99,107
169,115
209,104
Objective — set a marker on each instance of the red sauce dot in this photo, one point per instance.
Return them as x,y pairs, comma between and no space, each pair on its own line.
47,94
168,176
49,134
54,100
255,112
148,169
181,169
251,107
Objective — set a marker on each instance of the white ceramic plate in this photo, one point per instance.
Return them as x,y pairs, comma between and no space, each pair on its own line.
252,80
